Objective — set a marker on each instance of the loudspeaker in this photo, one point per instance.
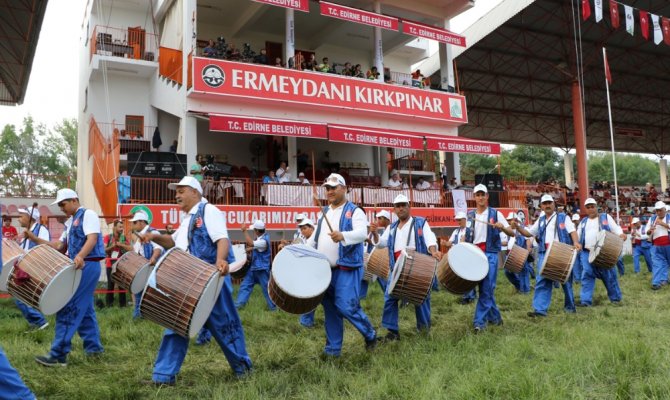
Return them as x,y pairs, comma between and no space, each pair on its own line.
494,184
157,164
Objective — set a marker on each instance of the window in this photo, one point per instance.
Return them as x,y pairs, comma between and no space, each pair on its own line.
135,126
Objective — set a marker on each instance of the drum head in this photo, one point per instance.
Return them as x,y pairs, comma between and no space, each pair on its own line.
5,272
468,262
140,279
239,250
397,271
205,304
595,251
60,290
301,277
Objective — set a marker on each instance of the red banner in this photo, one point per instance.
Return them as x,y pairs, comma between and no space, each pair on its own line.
373,138
301,5
264,126
462,146
239,80
359,16
431,32
277,217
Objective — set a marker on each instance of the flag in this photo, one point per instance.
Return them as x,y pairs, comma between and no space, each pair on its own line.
665,22
460,205
599,10
608,75
658,33
614,14
630,21
586,9
644,24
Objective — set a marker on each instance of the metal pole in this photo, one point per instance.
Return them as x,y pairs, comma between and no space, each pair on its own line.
609,112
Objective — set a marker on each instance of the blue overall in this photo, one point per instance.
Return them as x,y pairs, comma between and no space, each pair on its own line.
620,267
341,299
11,385
78,315
577,270
147,252
205,335
422,311
643,249
364,284
607,275
486,310
660,257
543,286
223,322
259,274
521,280
33,316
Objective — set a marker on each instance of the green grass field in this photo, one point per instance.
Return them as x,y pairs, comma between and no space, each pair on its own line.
604,352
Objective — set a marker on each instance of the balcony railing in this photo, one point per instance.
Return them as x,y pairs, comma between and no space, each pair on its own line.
130,138
131,43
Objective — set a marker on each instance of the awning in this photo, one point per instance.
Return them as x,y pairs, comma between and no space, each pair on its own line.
267,126
458,145
373,137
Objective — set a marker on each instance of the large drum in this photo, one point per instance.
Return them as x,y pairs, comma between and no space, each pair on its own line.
464,266
516,259
607,250
558,262
181,292
52,281
378,263
367,275
299,278
241,266
11,252
131,272
412,276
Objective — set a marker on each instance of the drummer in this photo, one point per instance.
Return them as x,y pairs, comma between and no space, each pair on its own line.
657,228
577,270
486,238
588,233
151,251
521,280
28,220
83,242
11,384
458,236
641,245
306,228
407,232
382,222
203,233
550,227
261,258
344,248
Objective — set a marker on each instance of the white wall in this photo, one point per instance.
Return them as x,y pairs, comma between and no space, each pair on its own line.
122,15
169,127
127,95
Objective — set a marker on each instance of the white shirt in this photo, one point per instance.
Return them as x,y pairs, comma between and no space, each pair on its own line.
423,185
592,229
43,234
90,224
637,233
658,230
303,181
460,232
482,229
138,247
551,232
216,226
392,183
403,233
260,244
358,235
503,239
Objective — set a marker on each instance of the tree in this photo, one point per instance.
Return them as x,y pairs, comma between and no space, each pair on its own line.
632,169
36,161
532,163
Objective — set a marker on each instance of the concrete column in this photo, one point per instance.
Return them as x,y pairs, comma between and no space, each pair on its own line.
379,50
446,62
289,42
663,166
189,37
188,138
453,166
580,143
292,159
569,172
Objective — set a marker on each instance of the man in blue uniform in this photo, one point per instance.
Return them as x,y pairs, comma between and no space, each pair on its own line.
83,242
458,235
577,270
641,245
521,280
151,251
259,273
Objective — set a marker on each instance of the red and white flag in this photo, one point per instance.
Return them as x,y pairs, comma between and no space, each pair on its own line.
644,24
658,33
586,9
665,23
614,14
599,10
630,21
608,75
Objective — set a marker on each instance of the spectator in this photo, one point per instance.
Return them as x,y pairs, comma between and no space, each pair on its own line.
372,74
278,62
282,173
348,70
270,178
169,229
233,53
8,231
302,159
262,58
395,181
417,75
422,184
358,72
173,148
196,169
123,183
452,184
310,65
302,180
210,50
324,66
116,244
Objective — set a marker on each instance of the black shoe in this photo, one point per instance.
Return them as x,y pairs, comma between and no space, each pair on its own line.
371,344
499,323
157,384
534,314
391,337
478,330
49,361
583,305
655,287
465,301
617,303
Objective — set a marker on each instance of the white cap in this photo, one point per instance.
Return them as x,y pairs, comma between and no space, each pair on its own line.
575,217
636,220
334,180
140,216
511,215
385,214
659,205
480,188
401,198
590,200
301,174
394,172
460,215
299,217
30,211
546,197
65,194
306,221
187,181
258,224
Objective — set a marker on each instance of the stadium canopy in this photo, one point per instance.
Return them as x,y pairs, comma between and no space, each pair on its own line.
521,61
20,24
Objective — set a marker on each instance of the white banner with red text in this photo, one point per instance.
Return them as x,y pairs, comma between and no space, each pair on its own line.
359,16
433,33
301,5
458,145
266,126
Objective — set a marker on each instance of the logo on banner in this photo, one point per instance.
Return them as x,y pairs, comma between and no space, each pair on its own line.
213,76
455,108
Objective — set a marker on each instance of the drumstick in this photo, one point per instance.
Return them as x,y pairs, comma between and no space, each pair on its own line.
484,222
316,204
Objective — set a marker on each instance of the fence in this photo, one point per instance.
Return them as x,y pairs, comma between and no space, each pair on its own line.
132,43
